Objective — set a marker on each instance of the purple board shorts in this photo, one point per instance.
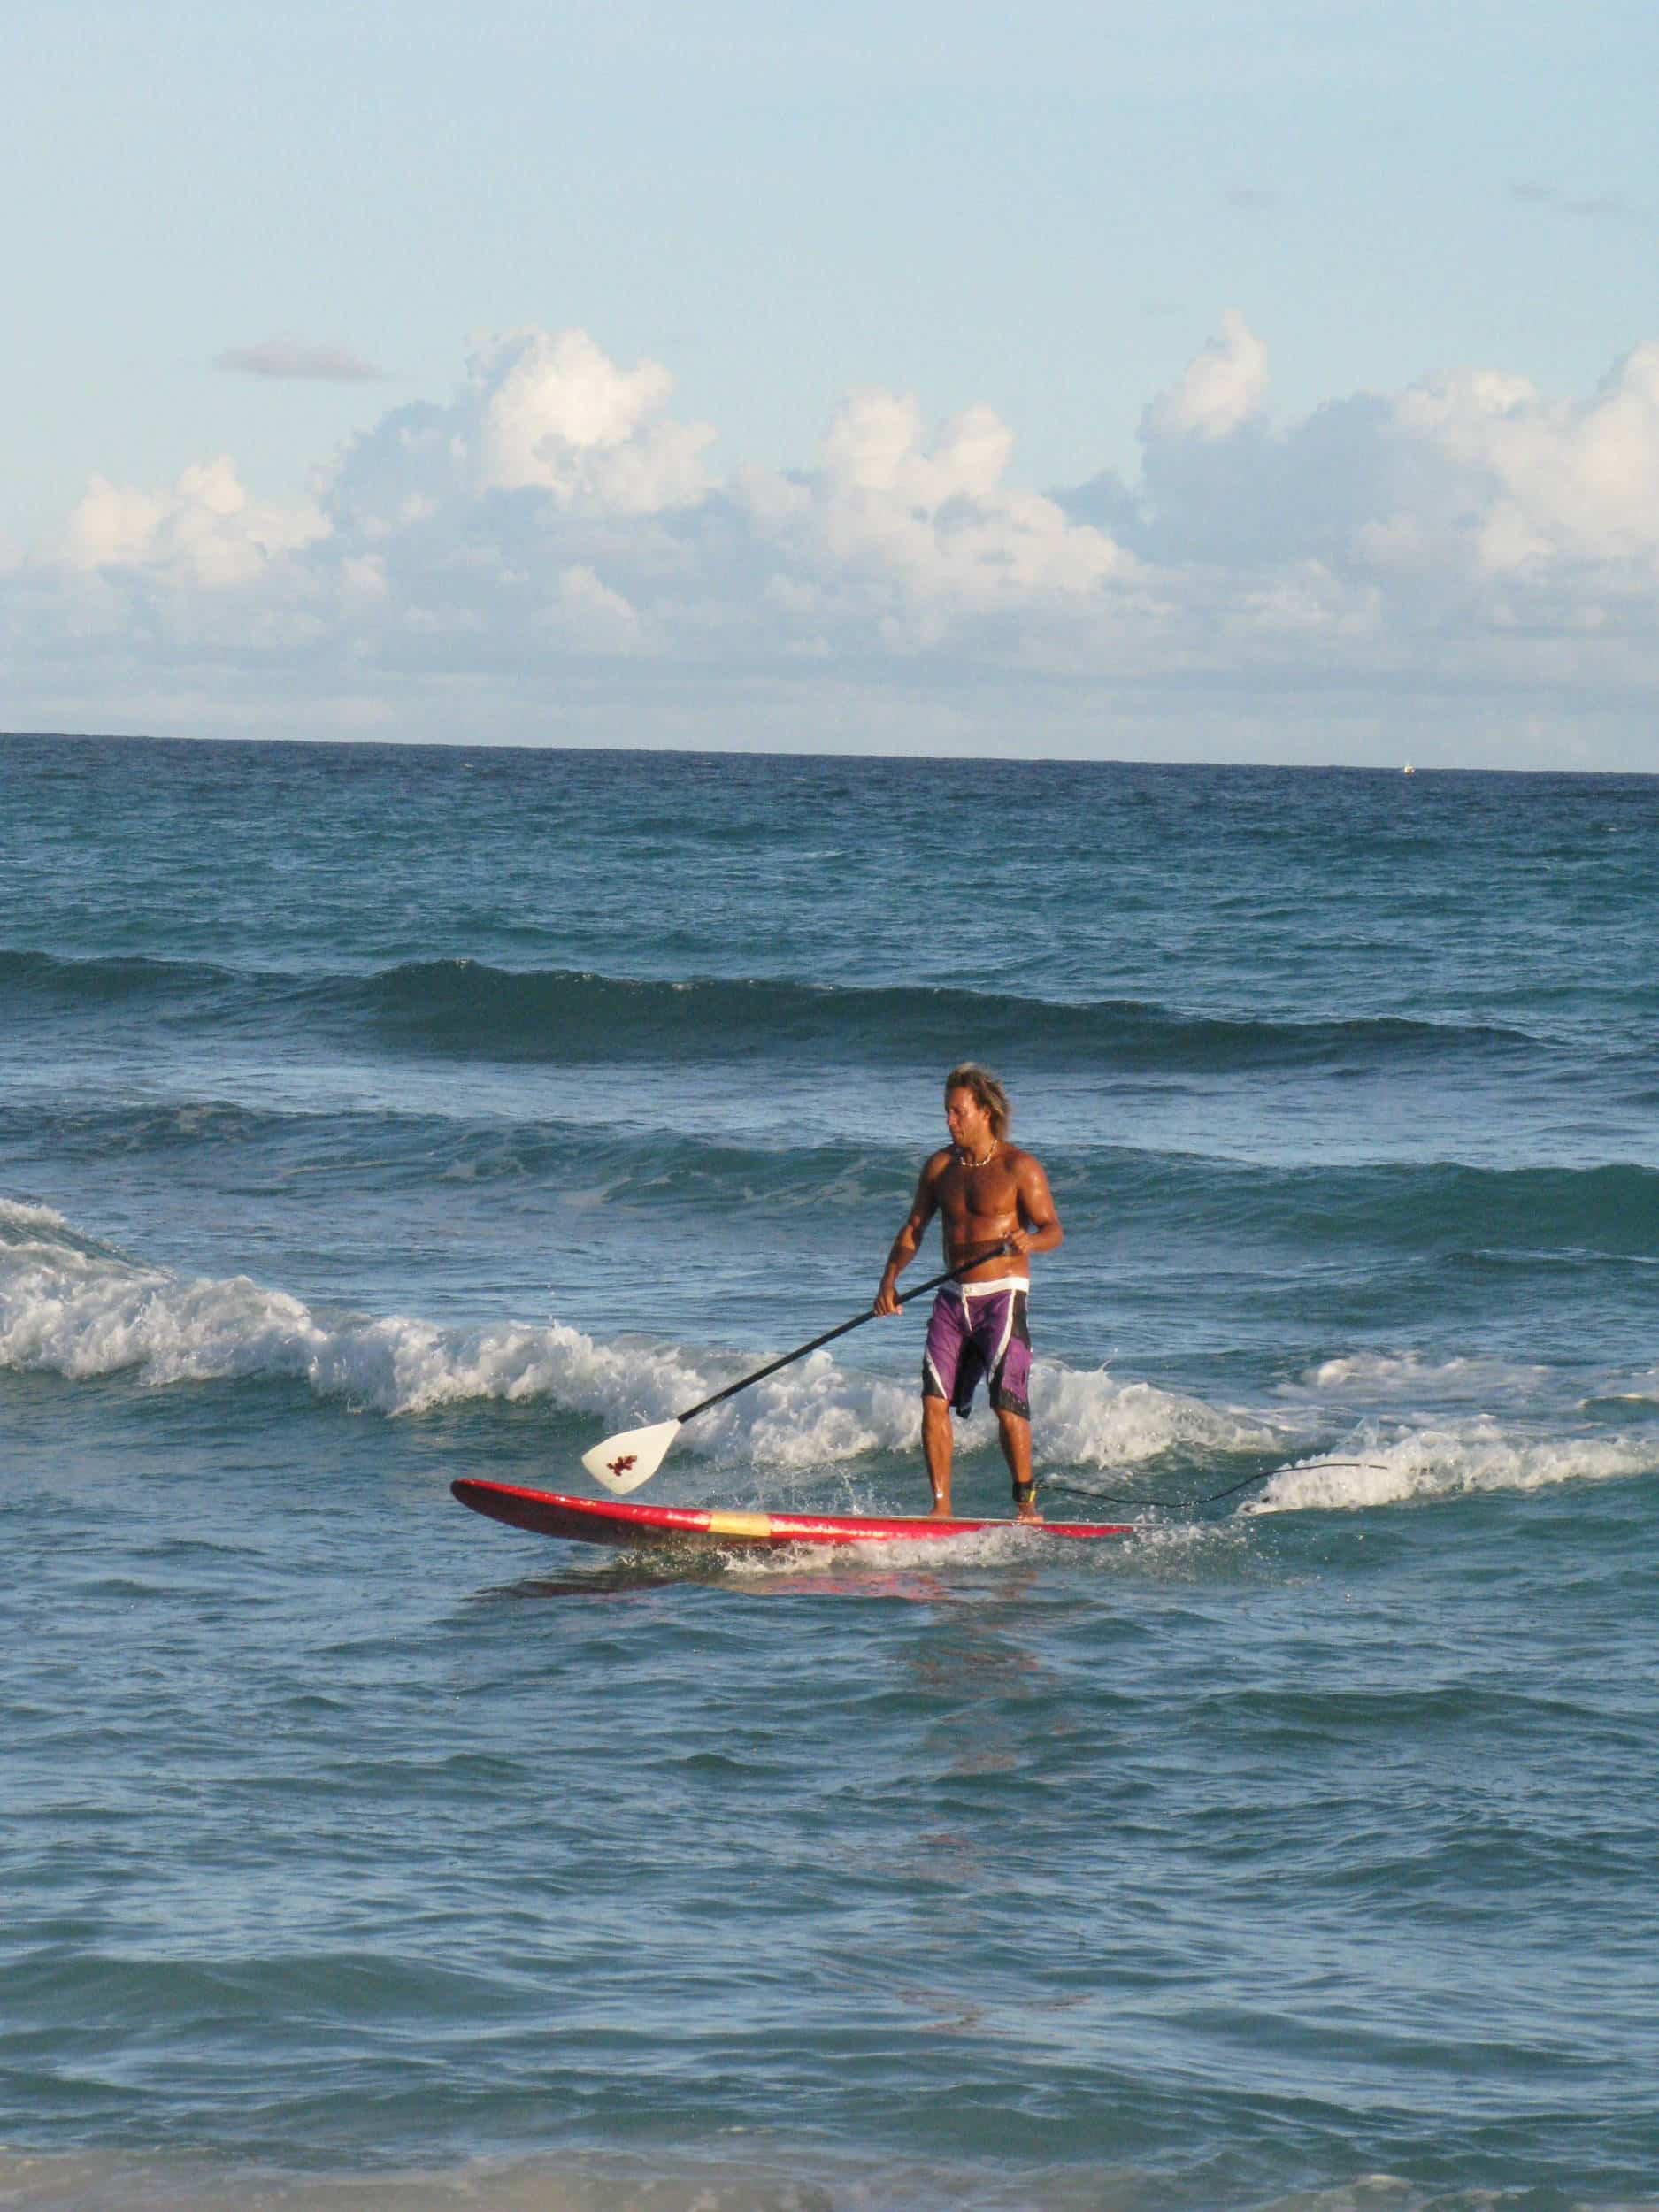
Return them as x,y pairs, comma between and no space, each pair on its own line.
980,1329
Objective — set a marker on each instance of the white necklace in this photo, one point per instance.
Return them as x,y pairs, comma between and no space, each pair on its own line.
986,1161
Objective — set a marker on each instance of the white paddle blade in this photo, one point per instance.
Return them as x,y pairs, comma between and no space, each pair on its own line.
623,1463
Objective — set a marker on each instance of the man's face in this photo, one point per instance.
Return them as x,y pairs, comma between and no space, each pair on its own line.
969,1124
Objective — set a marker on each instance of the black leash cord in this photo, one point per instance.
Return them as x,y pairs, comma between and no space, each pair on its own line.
1119,1497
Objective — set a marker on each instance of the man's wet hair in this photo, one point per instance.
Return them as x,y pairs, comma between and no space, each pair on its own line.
987,1092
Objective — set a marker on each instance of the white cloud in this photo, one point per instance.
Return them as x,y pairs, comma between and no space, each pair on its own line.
594,617
204,532
538,412
1548,482
1222,388
552,527
917,536
555,413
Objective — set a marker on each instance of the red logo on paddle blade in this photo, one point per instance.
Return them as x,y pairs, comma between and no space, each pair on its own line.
621,1466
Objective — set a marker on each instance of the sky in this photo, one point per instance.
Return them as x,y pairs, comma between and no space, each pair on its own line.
1271,382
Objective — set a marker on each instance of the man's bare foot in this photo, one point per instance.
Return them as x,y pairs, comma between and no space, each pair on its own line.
1029,1513
941,1510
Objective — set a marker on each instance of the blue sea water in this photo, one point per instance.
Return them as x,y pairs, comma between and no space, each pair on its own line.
372,1116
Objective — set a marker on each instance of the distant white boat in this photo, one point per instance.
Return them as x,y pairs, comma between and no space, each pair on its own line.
1408,770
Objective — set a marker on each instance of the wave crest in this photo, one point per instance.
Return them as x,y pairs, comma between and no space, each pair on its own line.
73,1308
77,1309
477,1009
1430,1464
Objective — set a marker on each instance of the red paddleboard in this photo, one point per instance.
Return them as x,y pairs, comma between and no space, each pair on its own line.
608,1521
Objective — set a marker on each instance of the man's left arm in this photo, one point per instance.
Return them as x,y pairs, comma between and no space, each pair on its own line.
1039,1229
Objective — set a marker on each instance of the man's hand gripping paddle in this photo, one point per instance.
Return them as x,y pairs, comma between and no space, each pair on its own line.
623,1463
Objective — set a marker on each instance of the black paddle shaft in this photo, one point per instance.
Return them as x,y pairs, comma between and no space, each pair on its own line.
950,1275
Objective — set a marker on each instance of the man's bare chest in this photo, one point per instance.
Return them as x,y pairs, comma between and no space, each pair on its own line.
968,1193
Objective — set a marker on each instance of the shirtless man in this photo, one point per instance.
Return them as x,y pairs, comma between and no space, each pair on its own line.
996,1201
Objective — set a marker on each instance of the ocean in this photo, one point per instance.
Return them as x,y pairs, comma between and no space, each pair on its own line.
373,1116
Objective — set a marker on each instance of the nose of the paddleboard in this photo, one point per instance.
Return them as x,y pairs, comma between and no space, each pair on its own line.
623,1463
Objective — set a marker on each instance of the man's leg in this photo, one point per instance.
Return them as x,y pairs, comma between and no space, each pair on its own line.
936,1451
1011,1395
941,1371
1015,1430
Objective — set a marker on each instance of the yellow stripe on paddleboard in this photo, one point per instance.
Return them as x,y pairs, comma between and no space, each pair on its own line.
740,1524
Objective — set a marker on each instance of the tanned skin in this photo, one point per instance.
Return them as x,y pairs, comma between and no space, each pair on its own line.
990,1193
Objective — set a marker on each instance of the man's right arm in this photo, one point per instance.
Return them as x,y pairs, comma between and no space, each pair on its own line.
908,1241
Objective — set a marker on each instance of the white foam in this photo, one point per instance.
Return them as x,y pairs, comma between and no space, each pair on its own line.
998,1546
1452,1461
1638,1390
1161,1548
815,1414
21,1218
1086,1419
1363,1375
76,1308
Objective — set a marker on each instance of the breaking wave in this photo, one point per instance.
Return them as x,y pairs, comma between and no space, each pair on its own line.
1455,1461
73,1306
76,1308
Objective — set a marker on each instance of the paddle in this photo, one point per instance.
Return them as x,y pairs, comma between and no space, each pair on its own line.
623,1463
